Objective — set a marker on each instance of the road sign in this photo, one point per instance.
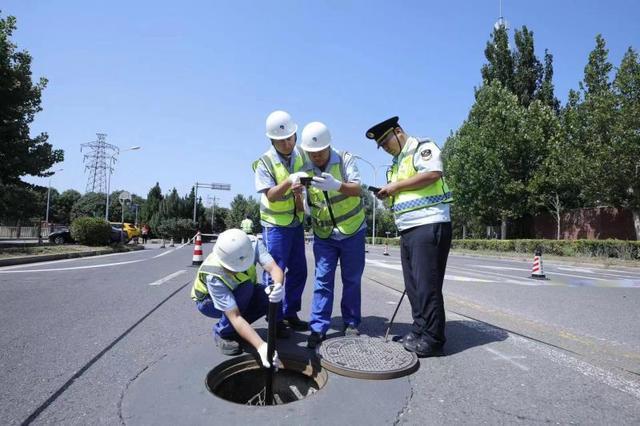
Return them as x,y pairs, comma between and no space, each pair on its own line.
125,197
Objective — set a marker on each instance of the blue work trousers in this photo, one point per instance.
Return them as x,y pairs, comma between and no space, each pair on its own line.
286,246
350,251
252,302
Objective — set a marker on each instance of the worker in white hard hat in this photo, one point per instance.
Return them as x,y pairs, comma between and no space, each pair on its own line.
277,180
226,287
339,226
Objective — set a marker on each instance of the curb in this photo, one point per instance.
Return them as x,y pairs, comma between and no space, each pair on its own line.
47,257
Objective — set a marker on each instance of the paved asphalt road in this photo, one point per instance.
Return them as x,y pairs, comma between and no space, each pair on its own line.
116,340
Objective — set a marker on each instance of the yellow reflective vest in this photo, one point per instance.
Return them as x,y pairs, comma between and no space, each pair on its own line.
281,212
333,209
414,199
211,267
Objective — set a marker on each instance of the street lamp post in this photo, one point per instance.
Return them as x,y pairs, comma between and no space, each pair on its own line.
373,231
111,159
49,196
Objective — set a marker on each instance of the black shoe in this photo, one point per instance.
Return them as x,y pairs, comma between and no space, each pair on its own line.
315,339
296,323
282,331
228,346
409,339
351,331
422,348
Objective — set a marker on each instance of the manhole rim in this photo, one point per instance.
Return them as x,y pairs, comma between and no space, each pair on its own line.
368,375
309,367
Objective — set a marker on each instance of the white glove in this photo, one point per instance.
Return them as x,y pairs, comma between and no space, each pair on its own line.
326,183
295,177
262,351
275,292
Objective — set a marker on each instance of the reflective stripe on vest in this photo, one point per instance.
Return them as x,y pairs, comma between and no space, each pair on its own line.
282,211
348,213
212,268
414,199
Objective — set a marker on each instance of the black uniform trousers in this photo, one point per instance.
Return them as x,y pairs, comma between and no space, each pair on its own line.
424,251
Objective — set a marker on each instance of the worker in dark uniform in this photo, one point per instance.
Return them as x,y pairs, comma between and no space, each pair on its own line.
419,198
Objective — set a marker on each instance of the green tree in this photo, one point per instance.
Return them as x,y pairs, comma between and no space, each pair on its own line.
62,206
240,208
500,65
20,100
149,212
546,93
598,119
528,70
624,178
90,204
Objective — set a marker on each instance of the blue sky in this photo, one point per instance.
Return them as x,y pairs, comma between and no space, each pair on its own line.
192,82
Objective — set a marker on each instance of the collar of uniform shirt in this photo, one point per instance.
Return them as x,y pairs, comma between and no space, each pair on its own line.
333,159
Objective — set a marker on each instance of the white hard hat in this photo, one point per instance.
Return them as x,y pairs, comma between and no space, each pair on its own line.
280,125
315,137
234,250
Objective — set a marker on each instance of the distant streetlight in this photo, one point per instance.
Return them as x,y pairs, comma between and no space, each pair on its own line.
111,160
49,196
373,231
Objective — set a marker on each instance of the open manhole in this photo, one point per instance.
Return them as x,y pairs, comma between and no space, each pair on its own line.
365,357
242,380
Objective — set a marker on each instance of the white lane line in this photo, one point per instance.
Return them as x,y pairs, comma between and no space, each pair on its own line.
162,254
591,271
502,278
507,358
503,268
446,277
599,374
74,267
168,277
50,262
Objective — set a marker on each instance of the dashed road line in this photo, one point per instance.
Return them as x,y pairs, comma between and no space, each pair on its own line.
168,277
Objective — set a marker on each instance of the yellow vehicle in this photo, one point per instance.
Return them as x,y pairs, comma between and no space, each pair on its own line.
129,228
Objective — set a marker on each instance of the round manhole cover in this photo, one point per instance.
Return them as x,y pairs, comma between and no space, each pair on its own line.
366,357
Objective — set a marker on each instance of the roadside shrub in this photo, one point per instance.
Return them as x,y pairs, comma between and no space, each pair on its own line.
621,249
90,231
176,228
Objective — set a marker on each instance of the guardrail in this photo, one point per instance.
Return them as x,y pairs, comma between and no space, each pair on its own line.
21,232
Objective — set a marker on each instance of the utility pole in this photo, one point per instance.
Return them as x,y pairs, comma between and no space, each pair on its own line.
218,186
213,209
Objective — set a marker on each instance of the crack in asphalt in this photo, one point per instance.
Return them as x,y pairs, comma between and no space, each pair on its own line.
405,409
522,417
133,379
34,415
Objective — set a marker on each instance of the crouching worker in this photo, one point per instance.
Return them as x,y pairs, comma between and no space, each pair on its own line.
226,287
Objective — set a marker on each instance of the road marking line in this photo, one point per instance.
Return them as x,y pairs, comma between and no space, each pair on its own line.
446,277
104,265
599,374
168,277
507,358
505,268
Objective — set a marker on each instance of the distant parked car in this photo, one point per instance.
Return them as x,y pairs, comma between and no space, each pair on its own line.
129,228
63,236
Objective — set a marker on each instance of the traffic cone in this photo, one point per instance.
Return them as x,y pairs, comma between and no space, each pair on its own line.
386,247
537,271
162,245
197,250
172,245
182,240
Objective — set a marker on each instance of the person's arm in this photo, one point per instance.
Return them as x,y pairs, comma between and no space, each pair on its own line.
243,328
419,180
274,270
